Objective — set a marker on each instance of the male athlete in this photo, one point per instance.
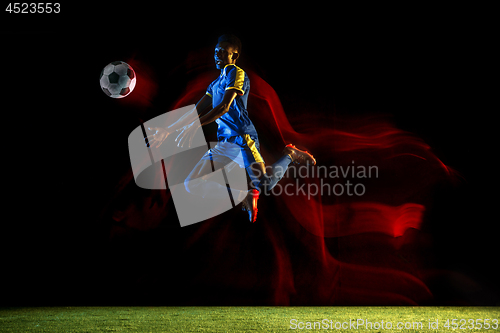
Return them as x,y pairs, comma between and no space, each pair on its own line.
225,102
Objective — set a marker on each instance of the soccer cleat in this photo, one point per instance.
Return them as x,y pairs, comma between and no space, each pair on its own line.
250,204
299,156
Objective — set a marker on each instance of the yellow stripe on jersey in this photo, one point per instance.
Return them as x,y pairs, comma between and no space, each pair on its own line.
251,144
209,94
238,81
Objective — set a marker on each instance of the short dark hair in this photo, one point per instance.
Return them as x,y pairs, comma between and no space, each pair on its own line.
231,39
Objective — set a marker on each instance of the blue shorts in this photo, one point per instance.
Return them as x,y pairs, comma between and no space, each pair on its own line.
242,149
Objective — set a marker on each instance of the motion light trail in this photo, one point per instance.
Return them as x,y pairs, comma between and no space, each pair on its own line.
310,252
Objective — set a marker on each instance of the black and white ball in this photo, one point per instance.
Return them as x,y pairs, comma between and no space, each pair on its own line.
117,79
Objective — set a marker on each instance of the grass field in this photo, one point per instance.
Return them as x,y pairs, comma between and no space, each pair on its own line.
248,319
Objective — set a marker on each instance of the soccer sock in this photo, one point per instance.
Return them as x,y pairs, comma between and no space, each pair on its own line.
271,178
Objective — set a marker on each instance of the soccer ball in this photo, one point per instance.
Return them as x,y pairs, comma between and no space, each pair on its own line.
117,79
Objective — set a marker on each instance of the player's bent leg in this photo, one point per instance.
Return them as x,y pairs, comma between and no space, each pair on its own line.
275,174
291,154
267,180
263,181
199,180
194,180
256,171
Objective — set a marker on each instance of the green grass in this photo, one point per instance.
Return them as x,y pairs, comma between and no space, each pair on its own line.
235,319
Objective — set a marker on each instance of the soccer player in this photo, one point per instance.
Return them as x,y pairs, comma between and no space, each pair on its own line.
225,102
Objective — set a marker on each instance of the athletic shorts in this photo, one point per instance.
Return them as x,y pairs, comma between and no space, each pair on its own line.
242,149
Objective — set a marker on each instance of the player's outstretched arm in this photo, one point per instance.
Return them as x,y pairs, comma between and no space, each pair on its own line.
187,132
220,109
202,107
160,134
156,139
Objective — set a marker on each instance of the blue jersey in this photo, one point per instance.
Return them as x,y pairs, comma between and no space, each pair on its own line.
235,122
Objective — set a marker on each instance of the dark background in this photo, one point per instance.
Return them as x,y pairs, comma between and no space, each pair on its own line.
65,141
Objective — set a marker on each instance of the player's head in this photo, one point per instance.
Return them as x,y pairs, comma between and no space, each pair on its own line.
227,50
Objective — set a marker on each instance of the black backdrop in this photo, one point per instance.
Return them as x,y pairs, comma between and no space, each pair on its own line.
66,146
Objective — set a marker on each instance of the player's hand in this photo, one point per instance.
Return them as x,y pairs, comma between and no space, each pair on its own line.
156,139
186,134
